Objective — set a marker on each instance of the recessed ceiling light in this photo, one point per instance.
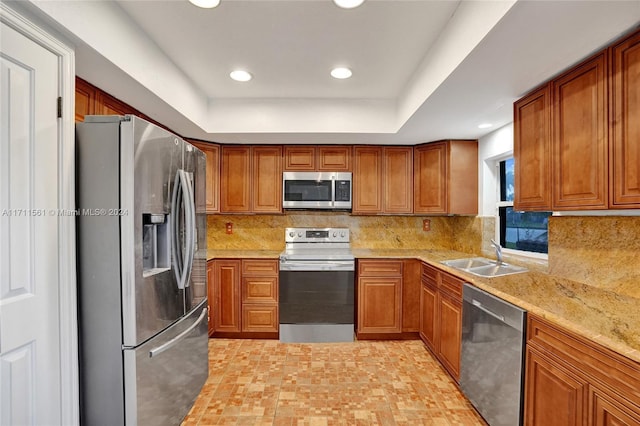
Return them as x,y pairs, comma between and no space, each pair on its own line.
341,73
205,4
348,4
240,75
484,125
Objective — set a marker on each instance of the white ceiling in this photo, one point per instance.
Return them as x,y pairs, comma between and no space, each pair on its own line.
423,70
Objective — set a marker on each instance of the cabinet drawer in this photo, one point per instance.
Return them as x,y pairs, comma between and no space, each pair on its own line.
377,268
451,285
259,318
260,289
593,360
429,274
265,267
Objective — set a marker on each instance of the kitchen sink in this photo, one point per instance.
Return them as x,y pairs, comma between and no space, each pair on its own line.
484,267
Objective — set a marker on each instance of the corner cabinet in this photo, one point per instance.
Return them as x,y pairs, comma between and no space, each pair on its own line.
382,180
532,151
446,177
441,317
570,381
625,108
251,179
212,154
387,298
245,298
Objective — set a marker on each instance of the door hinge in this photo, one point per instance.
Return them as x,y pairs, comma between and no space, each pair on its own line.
59,106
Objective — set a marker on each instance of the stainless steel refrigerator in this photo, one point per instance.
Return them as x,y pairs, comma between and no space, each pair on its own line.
142,289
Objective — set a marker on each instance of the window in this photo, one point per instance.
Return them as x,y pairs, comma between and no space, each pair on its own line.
523,231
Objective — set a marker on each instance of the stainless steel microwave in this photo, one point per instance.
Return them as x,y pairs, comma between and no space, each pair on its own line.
316,190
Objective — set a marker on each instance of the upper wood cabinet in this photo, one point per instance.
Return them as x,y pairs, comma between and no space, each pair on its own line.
212,154
580,143
309,158
446,177
625,109
251,179
85,99
382,180
532,151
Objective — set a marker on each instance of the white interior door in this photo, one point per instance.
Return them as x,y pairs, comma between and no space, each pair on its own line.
30,353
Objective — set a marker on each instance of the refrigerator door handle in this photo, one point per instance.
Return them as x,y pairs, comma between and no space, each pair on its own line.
190,226
182,202
157,351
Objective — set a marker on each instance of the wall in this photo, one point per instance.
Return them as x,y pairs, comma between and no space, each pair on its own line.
461,233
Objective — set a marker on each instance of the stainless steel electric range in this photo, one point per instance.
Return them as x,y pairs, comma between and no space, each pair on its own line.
317,286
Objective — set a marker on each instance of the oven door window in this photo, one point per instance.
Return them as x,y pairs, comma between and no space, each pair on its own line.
316,297
307,190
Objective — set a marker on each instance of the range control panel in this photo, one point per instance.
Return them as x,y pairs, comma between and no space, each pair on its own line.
316,235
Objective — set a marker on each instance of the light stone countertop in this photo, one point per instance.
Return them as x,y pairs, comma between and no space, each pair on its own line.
610,319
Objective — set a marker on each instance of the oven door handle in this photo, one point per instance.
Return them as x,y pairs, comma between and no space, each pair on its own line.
318,266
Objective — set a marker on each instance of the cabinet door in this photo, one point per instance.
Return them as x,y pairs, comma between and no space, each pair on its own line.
462,177
411,296
430,172
226,285
553,395
428,315
398,180
108,105
235,180
625,102
212,154
532,151
367,180
608,410
266,179
334,158
85,99
211,297
379,304
300,158
580,150
450,333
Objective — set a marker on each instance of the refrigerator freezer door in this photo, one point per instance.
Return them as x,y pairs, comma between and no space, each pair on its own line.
150,158
195,165
164,376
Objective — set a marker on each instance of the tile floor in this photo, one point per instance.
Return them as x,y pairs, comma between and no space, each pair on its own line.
264,382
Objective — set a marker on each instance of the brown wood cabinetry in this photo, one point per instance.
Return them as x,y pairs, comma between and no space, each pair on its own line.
532,151
251,179
572,381
226,295
441,316
309,158
382,180
85,99
446,177
387,298
211,296
625,136
580,142
245,302
212,154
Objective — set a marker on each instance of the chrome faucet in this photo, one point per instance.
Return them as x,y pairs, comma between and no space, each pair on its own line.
498,250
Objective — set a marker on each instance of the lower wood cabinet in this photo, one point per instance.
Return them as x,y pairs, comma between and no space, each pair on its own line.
573,381
441,316
243,297
387,298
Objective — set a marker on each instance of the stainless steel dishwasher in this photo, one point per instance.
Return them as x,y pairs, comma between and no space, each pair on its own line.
492,360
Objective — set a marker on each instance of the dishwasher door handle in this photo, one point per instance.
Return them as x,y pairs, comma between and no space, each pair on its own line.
478,305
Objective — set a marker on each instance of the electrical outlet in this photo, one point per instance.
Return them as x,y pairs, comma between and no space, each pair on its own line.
229,228
426,225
